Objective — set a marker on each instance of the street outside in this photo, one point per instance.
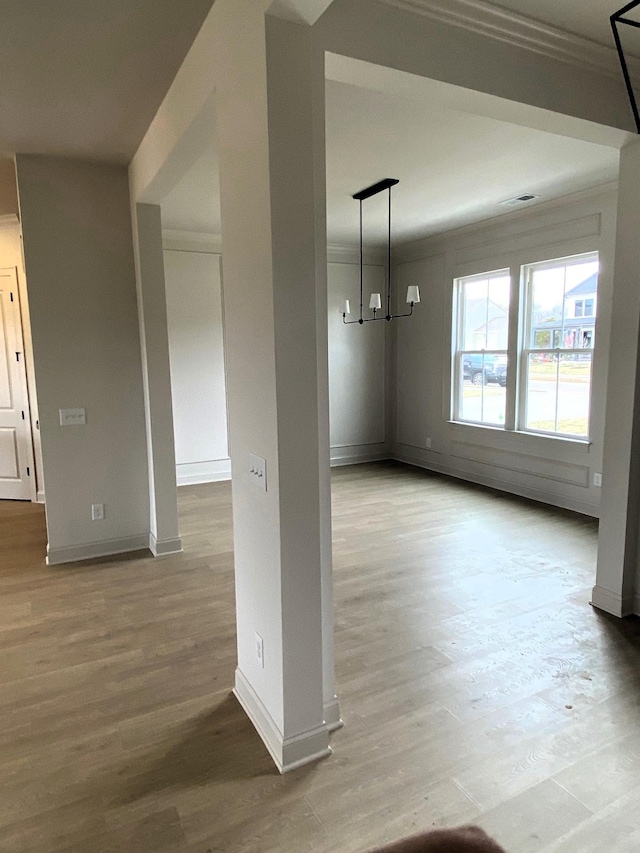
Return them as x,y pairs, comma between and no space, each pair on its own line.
486,404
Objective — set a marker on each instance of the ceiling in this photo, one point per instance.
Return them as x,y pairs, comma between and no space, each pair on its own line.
455,168
194,203
84,78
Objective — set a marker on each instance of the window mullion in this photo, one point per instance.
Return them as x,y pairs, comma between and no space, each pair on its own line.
524,343
510,417
460,343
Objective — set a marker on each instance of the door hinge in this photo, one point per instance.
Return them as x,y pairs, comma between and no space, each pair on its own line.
23,416
17,356
12,297
28,471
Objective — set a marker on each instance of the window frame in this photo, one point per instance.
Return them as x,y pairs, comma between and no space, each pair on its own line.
457,372
519,342
525,350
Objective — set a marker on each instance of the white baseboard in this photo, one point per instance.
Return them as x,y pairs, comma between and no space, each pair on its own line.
613,603
192,473
511,488
332,717
91,550
287,753
355,454
160,547
40,497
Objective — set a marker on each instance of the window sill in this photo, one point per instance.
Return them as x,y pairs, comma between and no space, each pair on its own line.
543,438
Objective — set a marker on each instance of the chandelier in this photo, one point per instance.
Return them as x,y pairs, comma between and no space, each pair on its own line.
375,301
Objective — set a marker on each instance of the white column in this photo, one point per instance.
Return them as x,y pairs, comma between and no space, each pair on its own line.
164,536
620,514
272,239
331,703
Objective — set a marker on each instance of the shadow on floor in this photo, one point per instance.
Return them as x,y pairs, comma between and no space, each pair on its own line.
219,745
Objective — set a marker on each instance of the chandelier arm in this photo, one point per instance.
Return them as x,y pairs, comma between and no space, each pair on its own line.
408,314
615,19
625,9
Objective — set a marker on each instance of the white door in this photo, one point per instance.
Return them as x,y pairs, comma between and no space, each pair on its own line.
17,477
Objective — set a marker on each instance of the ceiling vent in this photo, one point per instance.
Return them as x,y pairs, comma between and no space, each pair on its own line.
525,198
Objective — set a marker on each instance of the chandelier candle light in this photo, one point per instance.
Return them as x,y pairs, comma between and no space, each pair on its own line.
375,302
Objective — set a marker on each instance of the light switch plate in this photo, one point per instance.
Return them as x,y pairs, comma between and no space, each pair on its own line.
73,417
260,651
258,471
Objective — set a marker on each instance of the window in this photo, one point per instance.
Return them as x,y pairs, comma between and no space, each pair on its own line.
481,357
557,377
554,318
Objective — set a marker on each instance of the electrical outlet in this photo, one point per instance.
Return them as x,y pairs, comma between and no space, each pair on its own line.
597,480
260,650
97,512
427,443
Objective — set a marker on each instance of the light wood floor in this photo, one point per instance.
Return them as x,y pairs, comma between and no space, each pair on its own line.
476,684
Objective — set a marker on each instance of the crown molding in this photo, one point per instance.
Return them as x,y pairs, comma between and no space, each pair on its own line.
176,240
519,31
191,241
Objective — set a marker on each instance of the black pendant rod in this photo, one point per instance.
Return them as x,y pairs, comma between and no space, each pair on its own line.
616,19
389,260
361,267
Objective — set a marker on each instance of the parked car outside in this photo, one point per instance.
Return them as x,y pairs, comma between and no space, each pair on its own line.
501,370
494,368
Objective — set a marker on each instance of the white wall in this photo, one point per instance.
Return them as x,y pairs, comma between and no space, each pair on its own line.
553,470
356,368
82,297
196,352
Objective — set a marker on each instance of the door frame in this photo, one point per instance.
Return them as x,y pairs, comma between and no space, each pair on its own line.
13,270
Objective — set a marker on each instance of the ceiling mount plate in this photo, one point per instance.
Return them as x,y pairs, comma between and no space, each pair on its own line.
374,189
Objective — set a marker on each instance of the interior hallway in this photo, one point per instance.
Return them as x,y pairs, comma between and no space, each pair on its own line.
476,684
